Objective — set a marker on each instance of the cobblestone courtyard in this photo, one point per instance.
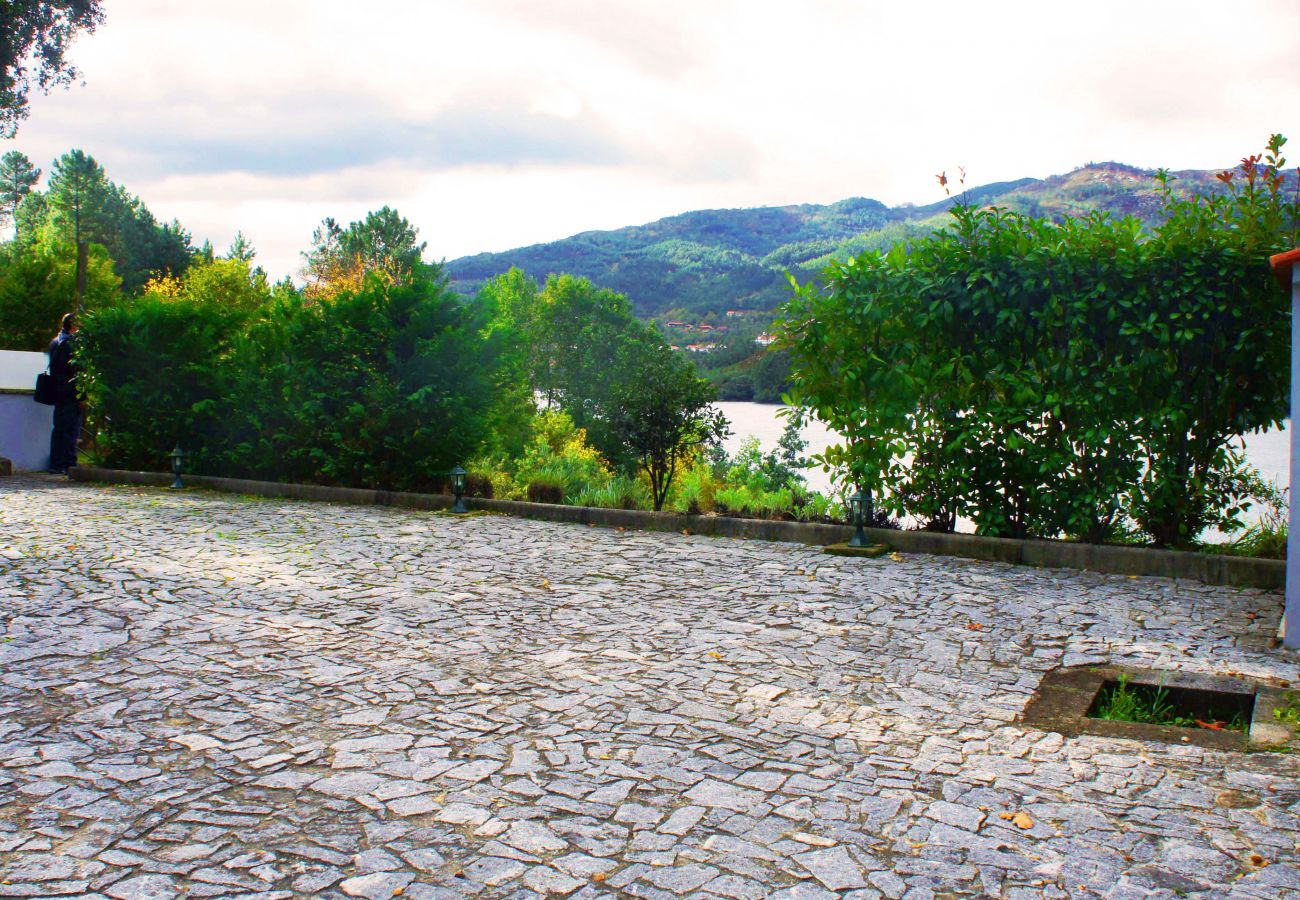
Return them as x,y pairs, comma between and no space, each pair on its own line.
204,695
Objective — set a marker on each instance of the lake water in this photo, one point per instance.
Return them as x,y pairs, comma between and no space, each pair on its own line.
1268,451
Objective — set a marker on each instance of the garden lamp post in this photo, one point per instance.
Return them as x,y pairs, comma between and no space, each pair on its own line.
858,505
458,489
1287,268
178,466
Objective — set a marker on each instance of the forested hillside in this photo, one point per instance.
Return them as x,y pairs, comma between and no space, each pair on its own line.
709,261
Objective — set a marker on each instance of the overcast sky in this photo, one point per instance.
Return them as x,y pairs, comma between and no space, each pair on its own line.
496,123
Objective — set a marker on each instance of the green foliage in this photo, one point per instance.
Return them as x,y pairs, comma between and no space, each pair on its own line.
385,387
17,178
78,198
231,283
1267,537
1289,712
558,455
775,470
155,374
581,351
620,492
383,242
508,305
34,39
82,204
577,332
660,413
1050,378
36,289
1125,701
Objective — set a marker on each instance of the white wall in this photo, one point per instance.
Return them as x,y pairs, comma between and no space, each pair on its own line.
24,424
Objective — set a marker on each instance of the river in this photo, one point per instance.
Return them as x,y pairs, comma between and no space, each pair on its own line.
1268,451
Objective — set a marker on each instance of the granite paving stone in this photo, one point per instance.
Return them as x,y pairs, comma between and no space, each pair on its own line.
208,695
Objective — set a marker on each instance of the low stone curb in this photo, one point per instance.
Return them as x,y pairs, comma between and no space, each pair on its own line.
1209,568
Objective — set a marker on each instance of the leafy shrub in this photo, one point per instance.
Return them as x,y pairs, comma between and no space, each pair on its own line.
559,455
1049,379
741,500
37,284
385,387
696,489
1267,538
622,492
157,374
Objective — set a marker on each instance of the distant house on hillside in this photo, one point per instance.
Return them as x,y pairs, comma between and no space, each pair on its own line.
739,313
683,326
764,339
701,348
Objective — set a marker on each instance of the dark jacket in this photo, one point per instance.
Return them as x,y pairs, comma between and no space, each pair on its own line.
62,368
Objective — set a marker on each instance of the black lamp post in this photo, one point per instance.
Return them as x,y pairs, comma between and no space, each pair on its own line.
859,504
458,488
178,466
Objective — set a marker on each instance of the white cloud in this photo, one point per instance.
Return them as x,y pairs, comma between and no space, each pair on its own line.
500,122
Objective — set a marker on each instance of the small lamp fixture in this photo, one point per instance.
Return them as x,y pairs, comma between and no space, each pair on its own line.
178,466
859,504
458,488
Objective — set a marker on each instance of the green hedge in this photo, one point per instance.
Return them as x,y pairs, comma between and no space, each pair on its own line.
1057,378
388,386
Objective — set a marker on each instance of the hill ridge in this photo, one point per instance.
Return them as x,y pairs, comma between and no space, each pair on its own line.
710,260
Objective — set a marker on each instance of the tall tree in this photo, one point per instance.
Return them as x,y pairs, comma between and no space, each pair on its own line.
661,413
83,205
17,178
79,198
34,36
384,243
241,248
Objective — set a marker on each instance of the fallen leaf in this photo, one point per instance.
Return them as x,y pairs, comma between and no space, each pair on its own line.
974,626
1007,816
686,531
1258,861
1022,821
546,583
397,892
896,557
1213,726
598,877
715,654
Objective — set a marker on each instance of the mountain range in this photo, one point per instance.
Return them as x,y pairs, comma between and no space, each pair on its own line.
709,261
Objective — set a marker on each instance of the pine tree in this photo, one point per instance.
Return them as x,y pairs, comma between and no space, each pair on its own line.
79,198
17,178
241,248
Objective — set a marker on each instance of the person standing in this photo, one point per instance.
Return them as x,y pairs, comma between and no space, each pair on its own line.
67,408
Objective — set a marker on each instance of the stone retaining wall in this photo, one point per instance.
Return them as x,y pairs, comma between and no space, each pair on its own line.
1208,568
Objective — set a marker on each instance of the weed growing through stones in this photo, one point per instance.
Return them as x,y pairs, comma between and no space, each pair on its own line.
1125,701
1289,712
